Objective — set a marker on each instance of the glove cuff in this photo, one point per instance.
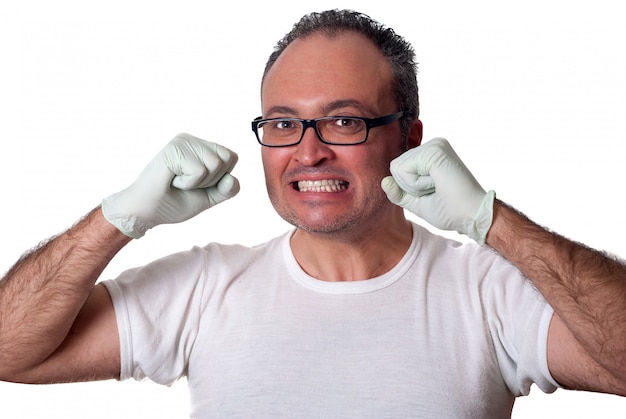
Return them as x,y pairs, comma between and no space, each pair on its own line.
483,219
131,225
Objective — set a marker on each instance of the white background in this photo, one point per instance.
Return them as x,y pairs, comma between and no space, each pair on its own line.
531,96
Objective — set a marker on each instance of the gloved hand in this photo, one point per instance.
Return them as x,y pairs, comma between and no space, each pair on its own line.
188,176
433,183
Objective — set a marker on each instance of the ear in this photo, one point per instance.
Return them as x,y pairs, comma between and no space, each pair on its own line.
415,134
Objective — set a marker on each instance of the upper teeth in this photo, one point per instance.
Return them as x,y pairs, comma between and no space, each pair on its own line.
321,185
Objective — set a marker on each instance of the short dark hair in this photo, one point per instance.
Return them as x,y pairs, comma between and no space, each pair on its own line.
398,52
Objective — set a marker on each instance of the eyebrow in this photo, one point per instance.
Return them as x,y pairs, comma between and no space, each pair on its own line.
346,103
325,110
284,110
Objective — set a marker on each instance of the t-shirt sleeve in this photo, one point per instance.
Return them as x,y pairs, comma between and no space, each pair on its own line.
519,325
158,313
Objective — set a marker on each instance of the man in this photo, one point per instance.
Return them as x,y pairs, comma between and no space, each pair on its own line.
357,312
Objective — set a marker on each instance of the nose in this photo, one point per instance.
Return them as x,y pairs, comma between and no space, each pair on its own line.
311,151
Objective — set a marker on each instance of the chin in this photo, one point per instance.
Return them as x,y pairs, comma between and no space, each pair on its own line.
339,229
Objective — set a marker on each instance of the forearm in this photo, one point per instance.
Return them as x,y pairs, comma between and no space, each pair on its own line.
42,294
585,287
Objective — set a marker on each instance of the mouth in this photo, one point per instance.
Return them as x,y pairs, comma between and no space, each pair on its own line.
324,185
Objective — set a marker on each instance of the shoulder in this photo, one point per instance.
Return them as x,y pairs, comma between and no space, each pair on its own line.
471,271
212,262
239,254
455,254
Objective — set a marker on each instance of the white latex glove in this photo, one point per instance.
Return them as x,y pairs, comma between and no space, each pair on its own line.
188,176
432,182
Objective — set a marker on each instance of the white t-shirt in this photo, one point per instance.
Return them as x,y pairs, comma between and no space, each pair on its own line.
453,330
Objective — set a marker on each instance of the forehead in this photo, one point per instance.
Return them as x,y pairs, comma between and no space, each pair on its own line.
318,69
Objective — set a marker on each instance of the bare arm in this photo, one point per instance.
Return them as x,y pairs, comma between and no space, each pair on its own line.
587,337
54,324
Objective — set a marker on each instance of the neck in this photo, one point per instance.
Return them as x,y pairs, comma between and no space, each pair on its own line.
354,256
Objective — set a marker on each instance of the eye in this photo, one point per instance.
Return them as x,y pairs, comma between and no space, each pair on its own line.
348,125
276,125
283,124
280,128
345,122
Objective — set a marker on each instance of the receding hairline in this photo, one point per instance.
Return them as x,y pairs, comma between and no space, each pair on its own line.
330,33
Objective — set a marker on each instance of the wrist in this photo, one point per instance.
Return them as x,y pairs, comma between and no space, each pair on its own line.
505,234
108,230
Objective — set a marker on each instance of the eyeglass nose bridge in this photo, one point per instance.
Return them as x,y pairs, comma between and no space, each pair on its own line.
311,123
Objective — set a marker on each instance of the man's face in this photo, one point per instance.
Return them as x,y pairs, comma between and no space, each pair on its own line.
316,77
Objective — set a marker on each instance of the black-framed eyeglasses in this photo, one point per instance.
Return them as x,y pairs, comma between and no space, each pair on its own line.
335,130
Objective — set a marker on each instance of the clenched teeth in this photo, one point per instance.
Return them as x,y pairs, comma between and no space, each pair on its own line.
331,185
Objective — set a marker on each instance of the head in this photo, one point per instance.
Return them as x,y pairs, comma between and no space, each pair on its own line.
331,69
398,52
